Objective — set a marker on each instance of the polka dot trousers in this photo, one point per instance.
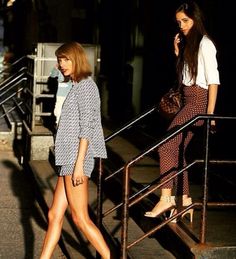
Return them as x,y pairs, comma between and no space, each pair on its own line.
172,152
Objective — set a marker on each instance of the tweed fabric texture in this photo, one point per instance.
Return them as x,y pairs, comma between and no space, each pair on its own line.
69,169
80,118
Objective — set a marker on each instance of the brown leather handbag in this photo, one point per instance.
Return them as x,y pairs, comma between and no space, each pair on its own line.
171,103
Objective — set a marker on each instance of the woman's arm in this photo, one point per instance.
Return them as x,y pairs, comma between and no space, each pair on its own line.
78,174
212,96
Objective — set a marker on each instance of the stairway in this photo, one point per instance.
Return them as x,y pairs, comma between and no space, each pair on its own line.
44,174
173,240
180,238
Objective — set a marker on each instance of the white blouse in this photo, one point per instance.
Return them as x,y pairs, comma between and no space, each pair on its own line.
207,72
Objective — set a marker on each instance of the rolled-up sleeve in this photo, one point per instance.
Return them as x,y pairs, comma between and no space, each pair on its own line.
87,105
210,62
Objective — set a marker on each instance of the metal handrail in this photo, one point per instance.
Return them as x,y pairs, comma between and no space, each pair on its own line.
18,105
20,79
135,198
13,75
131,123
100,167
12,78
129,201
12,65
124,232
12,95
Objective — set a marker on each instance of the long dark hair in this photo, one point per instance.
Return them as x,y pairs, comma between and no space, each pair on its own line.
189,51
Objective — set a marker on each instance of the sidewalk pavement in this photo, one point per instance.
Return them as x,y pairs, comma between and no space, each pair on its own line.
22,224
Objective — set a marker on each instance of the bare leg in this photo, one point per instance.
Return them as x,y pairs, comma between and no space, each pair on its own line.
55,218
78,202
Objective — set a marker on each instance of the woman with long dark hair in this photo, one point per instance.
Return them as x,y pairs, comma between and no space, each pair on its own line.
197,70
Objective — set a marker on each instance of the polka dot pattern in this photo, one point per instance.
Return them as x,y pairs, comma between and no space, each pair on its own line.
172,152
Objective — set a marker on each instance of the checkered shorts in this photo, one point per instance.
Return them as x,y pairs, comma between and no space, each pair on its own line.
69,169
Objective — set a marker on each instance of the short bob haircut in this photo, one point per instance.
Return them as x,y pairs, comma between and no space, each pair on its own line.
75,52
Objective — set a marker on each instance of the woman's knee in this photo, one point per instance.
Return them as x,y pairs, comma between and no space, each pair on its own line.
53,216
80,220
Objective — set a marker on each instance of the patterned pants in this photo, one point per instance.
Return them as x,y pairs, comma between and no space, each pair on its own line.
172,152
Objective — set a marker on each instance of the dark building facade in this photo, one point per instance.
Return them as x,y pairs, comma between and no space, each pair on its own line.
136,39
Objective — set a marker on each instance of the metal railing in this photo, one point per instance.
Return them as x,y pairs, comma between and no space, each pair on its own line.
10,89
13,65
100,167
128,201
13,78
13,83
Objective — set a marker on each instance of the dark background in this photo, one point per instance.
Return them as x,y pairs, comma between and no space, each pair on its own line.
116,25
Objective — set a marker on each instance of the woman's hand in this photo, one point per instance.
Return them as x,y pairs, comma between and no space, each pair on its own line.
213,127
78,175
176,44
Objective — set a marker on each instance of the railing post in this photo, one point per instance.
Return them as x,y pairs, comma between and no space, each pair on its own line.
99,194
99,198
205,186
125,216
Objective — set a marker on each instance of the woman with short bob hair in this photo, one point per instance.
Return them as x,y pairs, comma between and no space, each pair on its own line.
79,140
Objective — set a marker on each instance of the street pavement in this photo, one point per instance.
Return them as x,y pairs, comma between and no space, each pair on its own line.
22,224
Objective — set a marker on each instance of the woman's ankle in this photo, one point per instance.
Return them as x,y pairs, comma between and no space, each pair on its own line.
166,192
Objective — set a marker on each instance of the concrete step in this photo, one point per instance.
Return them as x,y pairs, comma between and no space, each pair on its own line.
183,235
179,240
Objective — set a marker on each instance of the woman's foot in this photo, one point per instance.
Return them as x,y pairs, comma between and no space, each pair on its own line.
166,203
186,201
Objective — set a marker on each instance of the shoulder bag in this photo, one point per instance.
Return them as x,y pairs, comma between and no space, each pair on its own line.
171,103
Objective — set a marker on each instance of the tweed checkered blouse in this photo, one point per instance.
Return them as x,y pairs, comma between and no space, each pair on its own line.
80,118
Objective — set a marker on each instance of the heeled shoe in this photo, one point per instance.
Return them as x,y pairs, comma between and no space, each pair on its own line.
185,203
165,204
